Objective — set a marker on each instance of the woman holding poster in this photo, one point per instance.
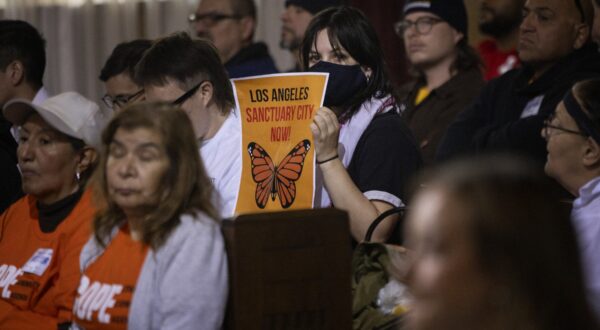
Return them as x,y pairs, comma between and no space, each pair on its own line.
364,152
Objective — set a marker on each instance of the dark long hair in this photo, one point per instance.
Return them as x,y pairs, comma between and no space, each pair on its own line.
348,28
523,238
186,187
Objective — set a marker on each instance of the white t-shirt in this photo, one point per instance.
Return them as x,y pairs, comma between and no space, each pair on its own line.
222,158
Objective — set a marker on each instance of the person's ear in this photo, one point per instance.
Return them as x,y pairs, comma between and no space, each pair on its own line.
367,71
457,36
15,72
87,158
591,153
247,26
206,92
582,35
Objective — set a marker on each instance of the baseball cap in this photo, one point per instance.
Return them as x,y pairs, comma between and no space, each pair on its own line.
70,113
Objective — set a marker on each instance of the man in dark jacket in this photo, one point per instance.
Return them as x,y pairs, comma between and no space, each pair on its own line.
230,25
554,44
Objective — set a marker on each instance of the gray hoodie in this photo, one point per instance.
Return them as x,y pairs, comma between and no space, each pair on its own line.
183,284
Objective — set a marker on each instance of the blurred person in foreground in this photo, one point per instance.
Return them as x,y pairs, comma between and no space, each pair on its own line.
493,248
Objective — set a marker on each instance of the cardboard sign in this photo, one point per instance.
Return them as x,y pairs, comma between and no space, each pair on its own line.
278,152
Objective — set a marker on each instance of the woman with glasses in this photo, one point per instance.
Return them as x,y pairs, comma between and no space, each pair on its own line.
365,154
493,248
572,136
157,258
447,69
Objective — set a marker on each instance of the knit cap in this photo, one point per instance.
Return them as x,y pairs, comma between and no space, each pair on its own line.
314,6
451,11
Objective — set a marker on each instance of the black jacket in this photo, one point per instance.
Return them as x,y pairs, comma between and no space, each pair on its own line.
429,120
253,60
494,123
10,178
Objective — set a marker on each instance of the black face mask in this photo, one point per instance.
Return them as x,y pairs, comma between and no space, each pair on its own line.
345,81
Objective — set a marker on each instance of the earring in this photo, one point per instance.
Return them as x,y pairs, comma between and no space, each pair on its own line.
78,176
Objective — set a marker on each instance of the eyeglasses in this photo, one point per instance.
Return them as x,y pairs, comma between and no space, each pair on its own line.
180,100
422,24
548,127
210,19
120,100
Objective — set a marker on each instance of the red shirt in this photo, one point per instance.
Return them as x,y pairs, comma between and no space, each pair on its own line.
108,284
496,61
39,272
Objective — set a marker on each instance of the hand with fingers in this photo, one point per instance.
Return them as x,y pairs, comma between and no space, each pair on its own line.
325,129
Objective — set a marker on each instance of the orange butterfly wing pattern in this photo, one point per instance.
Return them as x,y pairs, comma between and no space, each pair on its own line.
277,180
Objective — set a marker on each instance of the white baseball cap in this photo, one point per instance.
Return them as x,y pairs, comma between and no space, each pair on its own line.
70,113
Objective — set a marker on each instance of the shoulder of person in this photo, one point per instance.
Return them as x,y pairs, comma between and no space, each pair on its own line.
388,127
192,228
92,250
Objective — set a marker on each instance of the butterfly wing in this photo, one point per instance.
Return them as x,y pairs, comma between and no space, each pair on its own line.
263,173
289,171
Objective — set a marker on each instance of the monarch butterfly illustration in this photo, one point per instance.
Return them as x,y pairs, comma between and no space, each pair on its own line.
277,180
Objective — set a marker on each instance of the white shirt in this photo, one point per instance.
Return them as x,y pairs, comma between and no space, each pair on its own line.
586,220
222,158
40,96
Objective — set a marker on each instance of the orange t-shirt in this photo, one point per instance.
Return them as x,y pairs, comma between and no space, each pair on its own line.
39,272
108,284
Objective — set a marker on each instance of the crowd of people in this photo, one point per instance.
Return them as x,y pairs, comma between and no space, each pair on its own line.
110,215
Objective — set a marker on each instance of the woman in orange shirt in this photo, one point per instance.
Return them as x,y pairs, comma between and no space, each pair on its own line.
41,235
157,259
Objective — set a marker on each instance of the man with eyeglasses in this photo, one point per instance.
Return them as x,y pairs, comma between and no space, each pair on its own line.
188,73
448,70
118,74
230,25
22,66
556,49
499,20
294,21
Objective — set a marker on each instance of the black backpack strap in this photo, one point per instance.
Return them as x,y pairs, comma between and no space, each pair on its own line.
375,223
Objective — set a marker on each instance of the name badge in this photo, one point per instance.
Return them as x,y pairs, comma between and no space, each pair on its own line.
533,107
38,262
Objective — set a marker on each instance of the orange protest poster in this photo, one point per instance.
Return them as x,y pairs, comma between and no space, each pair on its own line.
278,154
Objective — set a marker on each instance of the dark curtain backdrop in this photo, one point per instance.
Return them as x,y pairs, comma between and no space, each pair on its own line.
383,14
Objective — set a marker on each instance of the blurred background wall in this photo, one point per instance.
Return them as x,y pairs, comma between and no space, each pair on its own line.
80,34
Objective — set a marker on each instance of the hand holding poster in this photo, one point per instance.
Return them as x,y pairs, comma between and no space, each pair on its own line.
278,156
